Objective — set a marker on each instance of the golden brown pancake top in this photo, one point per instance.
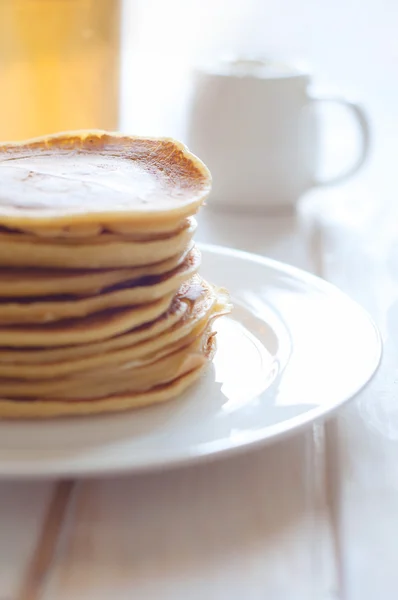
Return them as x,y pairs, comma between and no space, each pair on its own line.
83,176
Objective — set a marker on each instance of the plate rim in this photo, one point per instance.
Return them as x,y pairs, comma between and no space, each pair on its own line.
275,433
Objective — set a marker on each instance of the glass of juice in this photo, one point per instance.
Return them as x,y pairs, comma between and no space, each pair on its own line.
59,66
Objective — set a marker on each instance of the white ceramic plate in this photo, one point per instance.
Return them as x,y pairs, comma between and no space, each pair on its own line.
293,350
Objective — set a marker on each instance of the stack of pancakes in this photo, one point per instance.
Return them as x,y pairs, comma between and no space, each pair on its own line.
101,306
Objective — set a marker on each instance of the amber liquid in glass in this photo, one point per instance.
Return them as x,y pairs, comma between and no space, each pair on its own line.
59,66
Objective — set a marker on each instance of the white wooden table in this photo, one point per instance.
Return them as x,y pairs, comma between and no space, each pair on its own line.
311,518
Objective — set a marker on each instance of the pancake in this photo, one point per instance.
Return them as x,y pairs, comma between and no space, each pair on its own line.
50,408
189,328
140,354
110,381
146,290
96,327
103,237
195,301
37,355
101,307
98,178
18,252
89,231
20,282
